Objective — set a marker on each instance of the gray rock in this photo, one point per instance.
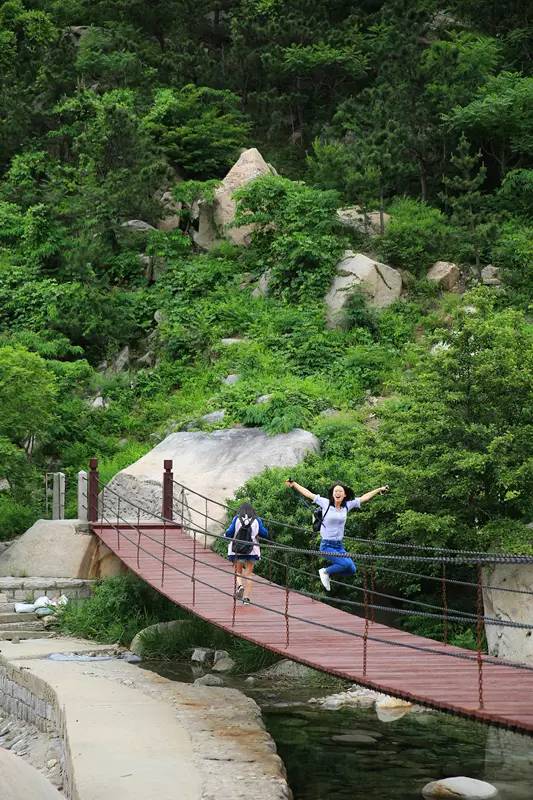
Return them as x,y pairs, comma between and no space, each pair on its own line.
330,412
445,274
287,669
173,207
467,788
262,288
209,680
159,316
4,485
233,340
216,218
121,361
381,284
214,464
130,658
201,655
214,416
98,402
137,645
222,661
264,398
147,360
137,225
230,380
353,217
490,276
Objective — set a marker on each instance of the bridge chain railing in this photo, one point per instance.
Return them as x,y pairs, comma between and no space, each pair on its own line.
178,511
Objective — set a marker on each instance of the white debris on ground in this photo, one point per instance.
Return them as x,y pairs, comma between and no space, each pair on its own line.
42,606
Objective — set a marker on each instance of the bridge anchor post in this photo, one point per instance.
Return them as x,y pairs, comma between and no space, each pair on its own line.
168,490
92,490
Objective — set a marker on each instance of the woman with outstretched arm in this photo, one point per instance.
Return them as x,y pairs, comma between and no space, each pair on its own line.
335,509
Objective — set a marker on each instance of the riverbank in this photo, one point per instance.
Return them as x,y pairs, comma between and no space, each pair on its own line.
128,733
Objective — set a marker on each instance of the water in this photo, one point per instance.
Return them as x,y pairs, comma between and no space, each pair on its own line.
348,754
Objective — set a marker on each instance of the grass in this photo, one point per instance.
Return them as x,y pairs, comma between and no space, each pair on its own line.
124,605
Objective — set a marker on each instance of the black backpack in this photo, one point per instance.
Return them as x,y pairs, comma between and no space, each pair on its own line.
318,518
242,541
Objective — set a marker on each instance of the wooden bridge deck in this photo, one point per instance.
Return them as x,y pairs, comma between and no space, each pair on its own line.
431,679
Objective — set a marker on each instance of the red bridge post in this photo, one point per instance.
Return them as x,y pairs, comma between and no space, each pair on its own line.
168,489
93,480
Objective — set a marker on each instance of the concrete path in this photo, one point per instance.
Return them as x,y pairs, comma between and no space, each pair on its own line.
123,743
19,781
132,735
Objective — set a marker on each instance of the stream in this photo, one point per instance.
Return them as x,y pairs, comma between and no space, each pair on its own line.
349,754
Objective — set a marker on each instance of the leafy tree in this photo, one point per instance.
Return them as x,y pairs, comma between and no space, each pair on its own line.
199,129
27,395
455,443
500,116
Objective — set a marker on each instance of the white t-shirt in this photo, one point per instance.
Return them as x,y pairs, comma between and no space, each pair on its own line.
334,520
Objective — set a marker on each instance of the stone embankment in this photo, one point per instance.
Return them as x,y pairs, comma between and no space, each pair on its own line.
124,733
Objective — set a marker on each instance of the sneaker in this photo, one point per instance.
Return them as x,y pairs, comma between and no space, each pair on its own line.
239,593
246,601
324,579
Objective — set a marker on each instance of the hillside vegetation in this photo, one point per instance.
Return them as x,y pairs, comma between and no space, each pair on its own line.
421,109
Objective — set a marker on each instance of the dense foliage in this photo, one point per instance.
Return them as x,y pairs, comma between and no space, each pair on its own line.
423,110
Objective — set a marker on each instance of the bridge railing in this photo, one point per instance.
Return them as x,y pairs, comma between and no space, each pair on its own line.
179,511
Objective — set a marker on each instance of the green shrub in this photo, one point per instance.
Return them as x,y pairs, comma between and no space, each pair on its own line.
513,254
118,609
415,238
15,517
295,234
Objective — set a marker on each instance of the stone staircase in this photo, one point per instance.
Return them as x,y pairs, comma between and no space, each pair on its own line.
15,627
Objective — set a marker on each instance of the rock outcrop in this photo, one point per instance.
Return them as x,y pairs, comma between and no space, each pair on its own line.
514,644
214,464
357,272
216,218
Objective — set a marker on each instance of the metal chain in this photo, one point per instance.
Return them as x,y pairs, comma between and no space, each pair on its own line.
462,656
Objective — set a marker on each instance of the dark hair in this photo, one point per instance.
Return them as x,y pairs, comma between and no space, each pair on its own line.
350,494
246,509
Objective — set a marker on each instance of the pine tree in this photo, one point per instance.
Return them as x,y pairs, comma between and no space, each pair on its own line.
466,203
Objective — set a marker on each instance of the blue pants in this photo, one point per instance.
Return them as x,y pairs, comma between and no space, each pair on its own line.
338,565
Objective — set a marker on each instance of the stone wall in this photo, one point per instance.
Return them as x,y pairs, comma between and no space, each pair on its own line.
22,590
30,699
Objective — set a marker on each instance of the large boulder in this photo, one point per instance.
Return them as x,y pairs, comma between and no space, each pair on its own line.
216,218
356,272
138,643
445,274
214,464
513,644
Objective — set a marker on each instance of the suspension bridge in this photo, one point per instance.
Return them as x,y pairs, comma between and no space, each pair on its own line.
171,551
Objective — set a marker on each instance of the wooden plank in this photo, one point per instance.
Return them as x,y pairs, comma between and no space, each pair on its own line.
431,678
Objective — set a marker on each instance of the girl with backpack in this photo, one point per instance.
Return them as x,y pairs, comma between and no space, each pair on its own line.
331,524
243,550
